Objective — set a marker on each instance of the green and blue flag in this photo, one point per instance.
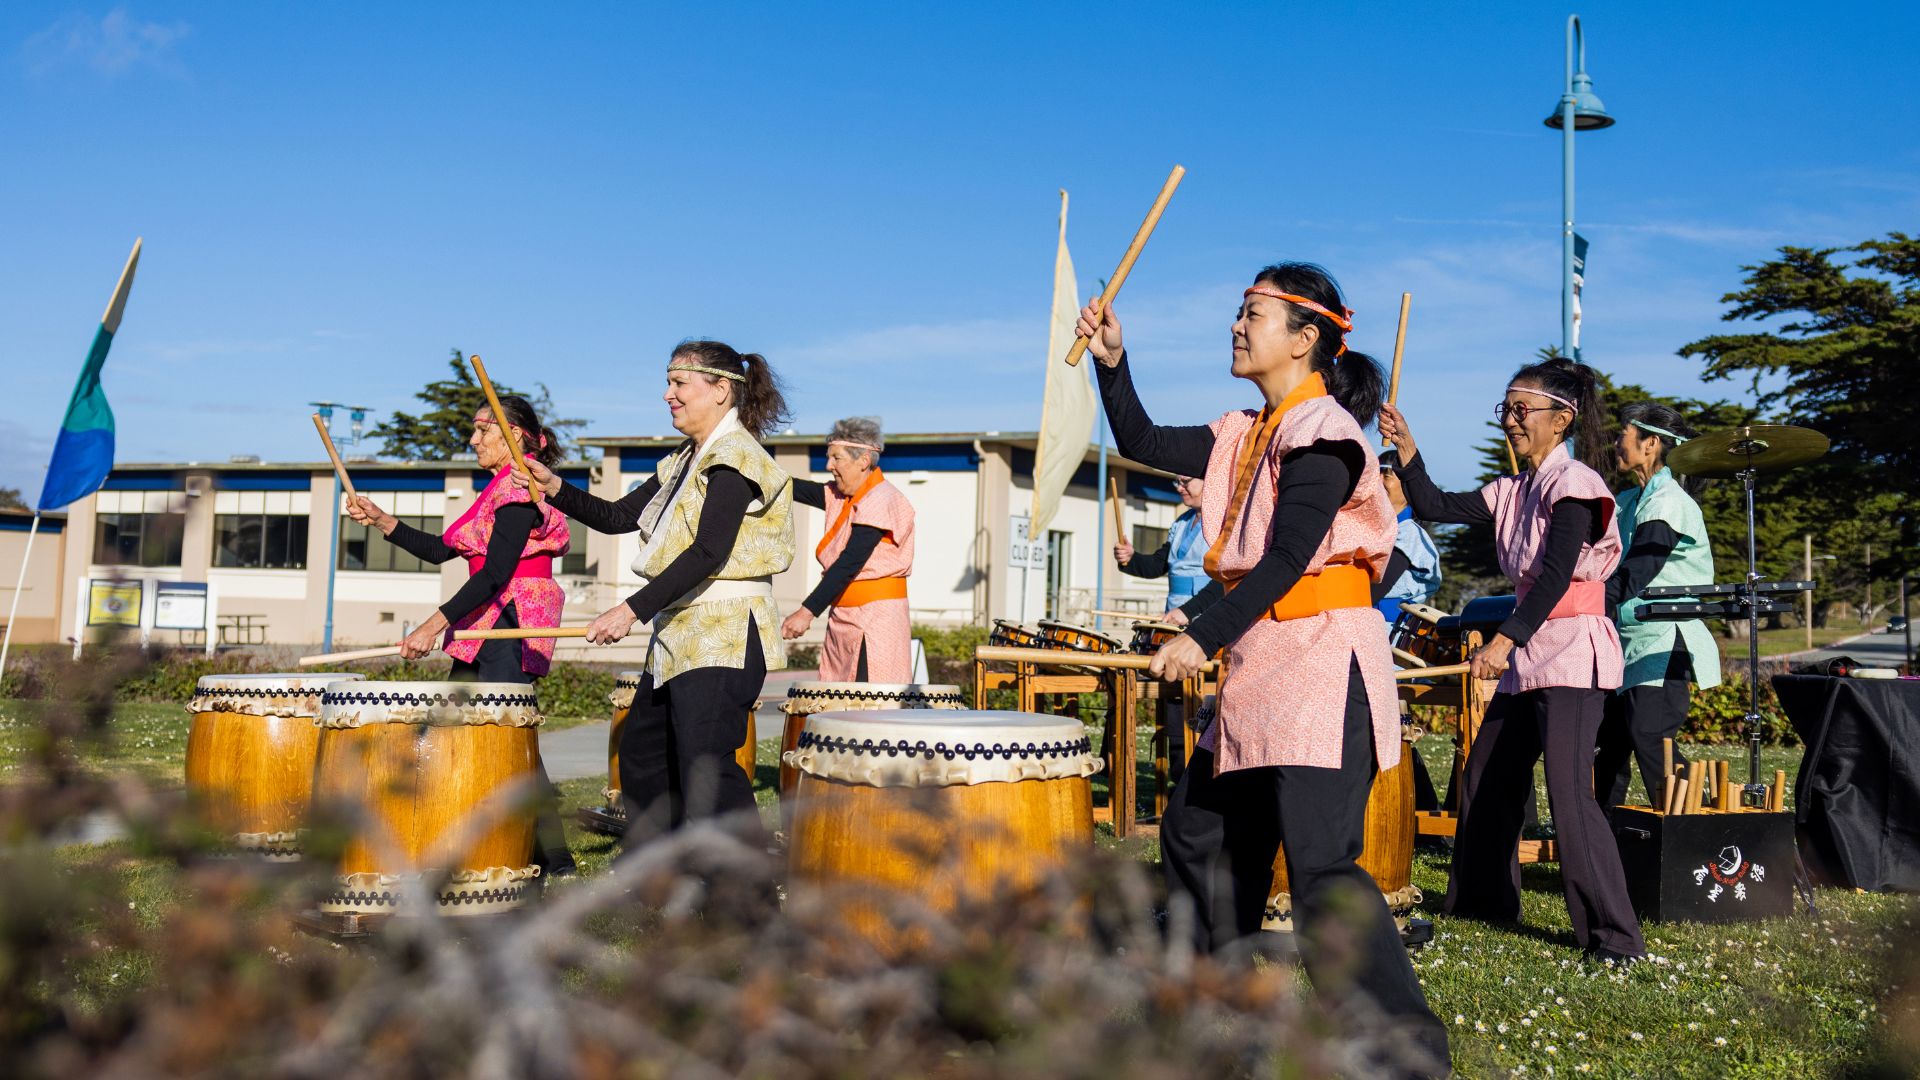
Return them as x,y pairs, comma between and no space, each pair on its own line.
83,452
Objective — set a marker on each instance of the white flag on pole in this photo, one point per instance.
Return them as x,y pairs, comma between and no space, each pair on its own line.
1067,411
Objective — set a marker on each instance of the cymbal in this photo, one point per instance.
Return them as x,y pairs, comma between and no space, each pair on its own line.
1764,448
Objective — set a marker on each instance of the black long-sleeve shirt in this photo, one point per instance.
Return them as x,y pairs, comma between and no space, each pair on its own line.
728,495
1570,526
1653,542
1315,481
512,524
862,542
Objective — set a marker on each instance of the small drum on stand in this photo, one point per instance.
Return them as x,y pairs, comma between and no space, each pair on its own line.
1059,635
1148,637
1013,635
1386,853
806,698
420,769
250,755
935,808
1418,640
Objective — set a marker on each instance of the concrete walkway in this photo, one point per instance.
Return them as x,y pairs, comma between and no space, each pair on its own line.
582,751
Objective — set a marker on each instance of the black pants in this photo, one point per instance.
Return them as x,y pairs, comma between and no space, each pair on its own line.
499,661
677,748
1638,722
1561,722
1218,838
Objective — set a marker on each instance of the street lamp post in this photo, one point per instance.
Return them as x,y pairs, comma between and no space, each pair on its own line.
1579,110
359,414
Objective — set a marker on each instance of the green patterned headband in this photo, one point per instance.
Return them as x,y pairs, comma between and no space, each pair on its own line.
1660,431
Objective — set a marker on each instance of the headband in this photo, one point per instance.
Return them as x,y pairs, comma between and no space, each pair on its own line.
478,420
1660,431
1571,407
704,370
1344,322
855,445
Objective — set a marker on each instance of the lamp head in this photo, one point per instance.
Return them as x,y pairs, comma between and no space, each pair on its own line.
1588,113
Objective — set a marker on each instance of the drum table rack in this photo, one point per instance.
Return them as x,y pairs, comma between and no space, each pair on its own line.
1047,672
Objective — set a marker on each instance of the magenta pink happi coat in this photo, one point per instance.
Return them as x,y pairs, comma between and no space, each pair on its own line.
885,625
536,597
1284,698
1578,650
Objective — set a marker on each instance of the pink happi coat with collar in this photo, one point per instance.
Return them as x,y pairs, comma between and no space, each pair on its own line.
535,596
1283,699
1577,645
884,627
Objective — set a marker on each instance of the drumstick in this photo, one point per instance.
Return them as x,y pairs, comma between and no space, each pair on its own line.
1119,527
511,633
506,429
339,469
1120,273
1399,347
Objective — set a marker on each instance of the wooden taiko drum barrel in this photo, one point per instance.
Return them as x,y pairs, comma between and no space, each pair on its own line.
1386,854
806,698
250,755
936,806
625,686
421,767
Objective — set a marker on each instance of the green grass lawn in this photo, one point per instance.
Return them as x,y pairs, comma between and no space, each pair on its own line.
1796,996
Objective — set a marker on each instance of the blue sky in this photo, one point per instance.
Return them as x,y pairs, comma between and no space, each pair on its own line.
333,196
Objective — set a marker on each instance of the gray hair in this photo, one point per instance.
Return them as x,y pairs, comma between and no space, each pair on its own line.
864,430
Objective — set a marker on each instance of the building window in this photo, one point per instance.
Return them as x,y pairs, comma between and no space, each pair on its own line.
1147,539
363,548
260,530
139,528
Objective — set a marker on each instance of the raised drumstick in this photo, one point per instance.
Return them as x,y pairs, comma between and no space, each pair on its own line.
506,429
339,469
1120,273
1399,349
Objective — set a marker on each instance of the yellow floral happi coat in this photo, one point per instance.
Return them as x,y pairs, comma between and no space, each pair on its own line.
713,633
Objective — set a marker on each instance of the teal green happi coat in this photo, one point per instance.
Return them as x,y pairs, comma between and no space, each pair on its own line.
1647,645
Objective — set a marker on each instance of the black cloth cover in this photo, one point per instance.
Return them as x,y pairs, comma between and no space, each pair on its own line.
1857,800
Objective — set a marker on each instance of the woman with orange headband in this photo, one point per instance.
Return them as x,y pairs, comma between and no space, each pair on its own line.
1298,528
1556,656
865,556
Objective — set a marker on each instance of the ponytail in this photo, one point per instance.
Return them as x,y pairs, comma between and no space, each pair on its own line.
1353,379
1580,384
756,390
541,443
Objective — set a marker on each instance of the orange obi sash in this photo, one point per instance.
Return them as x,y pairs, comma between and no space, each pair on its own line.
1341,586
866,592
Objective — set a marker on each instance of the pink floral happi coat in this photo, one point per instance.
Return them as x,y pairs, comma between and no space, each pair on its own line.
1283,700
886,626
1574,650
535,596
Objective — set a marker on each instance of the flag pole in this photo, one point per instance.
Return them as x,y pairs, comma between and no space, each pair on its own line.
19,584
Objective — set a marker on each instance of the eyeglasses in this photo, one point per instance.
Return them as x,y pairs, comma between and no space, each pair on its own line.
1520,410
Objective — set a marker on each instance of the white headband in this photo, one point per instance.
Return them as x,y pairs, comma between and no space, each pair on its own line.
1543,393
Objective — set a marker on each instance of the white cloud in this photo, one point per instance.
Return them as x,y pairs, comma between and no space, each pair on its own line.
111,45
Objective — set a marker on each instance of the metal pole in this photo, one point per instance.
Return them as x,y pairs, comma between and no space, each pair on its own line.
1100,523
1566,198
19,585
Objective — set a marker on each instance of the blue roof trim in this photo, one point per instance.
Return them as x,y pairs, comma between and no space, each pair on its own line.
23,523
912,457
1151,488
265,480
141,481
